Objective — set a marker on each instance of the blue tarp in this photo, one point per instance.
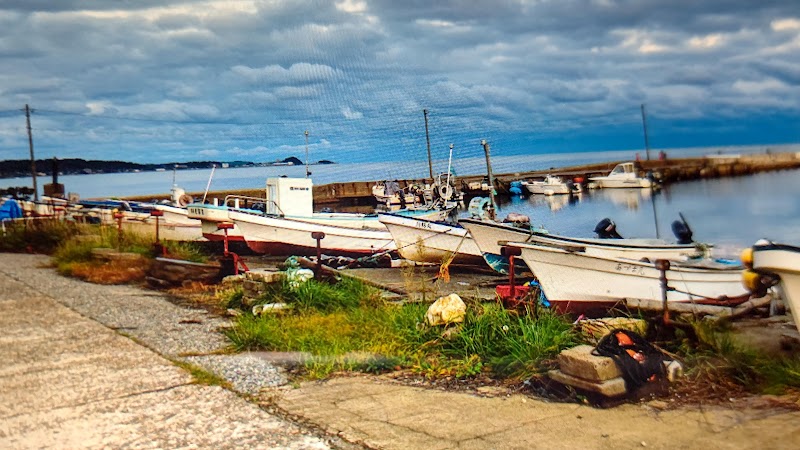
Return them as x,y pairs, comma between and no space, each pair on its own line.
10,210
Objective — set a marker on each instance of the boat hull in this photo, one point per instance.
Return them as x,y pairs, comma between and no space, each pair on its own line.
488,234
784,261
432,242
210,217
576,277
612,183
282,236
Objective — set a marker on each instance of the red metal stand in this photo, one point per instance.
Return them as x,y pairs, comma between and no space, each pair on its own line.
230,261
158,248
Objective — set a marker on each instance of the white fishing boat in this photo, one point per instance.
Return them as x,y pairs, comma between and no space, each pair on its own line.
576,281
281,222
784,261
487,235
552,185
275,235
624,175
431,242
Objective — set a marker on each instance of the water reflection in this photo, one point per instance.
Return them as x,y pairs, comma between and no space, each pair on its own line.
553,202
627,198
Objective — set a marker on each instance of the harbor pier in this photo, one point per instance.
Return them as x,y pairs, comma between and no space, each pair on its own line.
668,170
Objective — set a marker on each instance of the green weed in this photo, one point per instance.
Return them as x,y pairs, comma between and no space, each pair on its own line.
331,321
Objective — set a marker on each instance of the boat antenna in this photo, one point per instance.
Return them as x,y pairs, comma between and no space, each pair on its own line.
487,151
208,185
174,170
449,164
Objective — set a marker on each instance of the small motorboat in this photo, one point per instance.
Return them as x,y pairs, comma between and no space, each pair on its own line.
624,175
552,185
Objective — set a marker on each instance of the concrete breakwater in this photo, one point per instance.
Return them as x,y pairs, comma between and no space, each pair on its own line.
669,169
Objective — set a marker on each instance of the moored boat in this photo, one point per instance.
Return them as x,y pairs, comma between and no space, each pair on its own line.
274,235
487,234
624,175
552,185
431,242
575,280
784,261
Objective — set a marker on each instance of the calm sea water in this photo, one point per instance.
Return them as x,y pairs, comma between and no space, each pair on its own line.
731,212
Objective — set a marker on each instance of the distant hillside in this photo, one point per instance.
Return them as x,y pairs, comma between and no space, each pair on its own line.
22,167
293,160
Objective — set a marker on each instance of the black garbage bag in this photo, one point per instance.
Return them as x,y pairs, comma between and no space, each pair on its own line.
638,360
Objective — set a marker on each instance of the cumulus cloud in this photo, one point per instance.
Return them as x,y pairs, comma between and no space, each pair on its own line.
154,79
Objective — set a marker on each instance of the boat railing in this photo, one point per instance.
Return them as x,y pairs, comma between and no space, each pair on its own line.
237,199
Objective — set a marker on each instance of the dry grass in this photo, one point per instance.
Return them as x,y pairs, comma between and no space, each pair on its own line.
110,273
201,295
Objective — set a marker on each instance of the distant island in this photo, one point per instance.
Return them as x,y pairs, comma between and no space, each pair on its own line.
76,166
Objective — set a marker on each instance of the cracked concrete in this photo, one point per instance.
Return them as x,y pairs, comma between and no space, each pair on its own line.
381,414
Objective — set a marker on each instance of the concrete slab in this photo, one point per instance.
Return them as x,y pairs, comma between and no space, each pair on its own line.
580,362
462,420
614,387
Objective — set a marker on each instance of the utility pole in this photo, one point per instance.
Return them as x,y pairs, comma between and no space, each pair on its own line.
487,151
307,172
428,140
646,141
30,146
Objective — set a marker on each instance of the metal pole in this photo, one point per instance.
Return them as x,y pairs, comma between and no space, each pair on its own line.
655,215
428,141
208,185
663,266
30,146
487,151
318,236
646,141
306,133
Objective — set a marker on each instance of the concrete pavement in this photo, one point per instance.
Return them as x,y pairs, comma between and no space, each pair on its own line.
380,413
68,382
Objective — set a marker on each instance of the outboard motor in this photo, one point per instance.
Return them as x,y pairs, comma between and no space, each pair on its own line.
682,232
607,229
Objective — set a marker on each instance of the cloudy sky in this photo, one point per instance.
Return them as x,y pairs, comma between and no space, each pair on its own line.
171,80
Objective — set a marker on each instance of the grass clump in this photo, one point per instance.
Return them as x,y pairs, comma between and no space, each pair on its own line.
36,235
333,322
717,359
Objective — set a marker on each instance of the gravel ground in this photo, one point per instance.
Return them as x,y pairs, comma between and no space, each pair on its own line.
248,374
175,332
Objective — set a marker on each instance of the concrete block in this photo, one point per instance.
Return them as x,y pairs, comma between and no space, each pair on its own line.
265,276
610,388
580,362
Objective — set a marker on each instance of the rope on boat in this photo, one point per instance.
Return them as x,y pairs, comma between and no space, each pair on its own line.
444,269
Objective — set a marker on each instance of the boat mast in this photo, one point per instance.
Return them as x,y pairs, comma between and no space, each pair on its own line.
428,140
487,151
307,172
208,185
646,141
